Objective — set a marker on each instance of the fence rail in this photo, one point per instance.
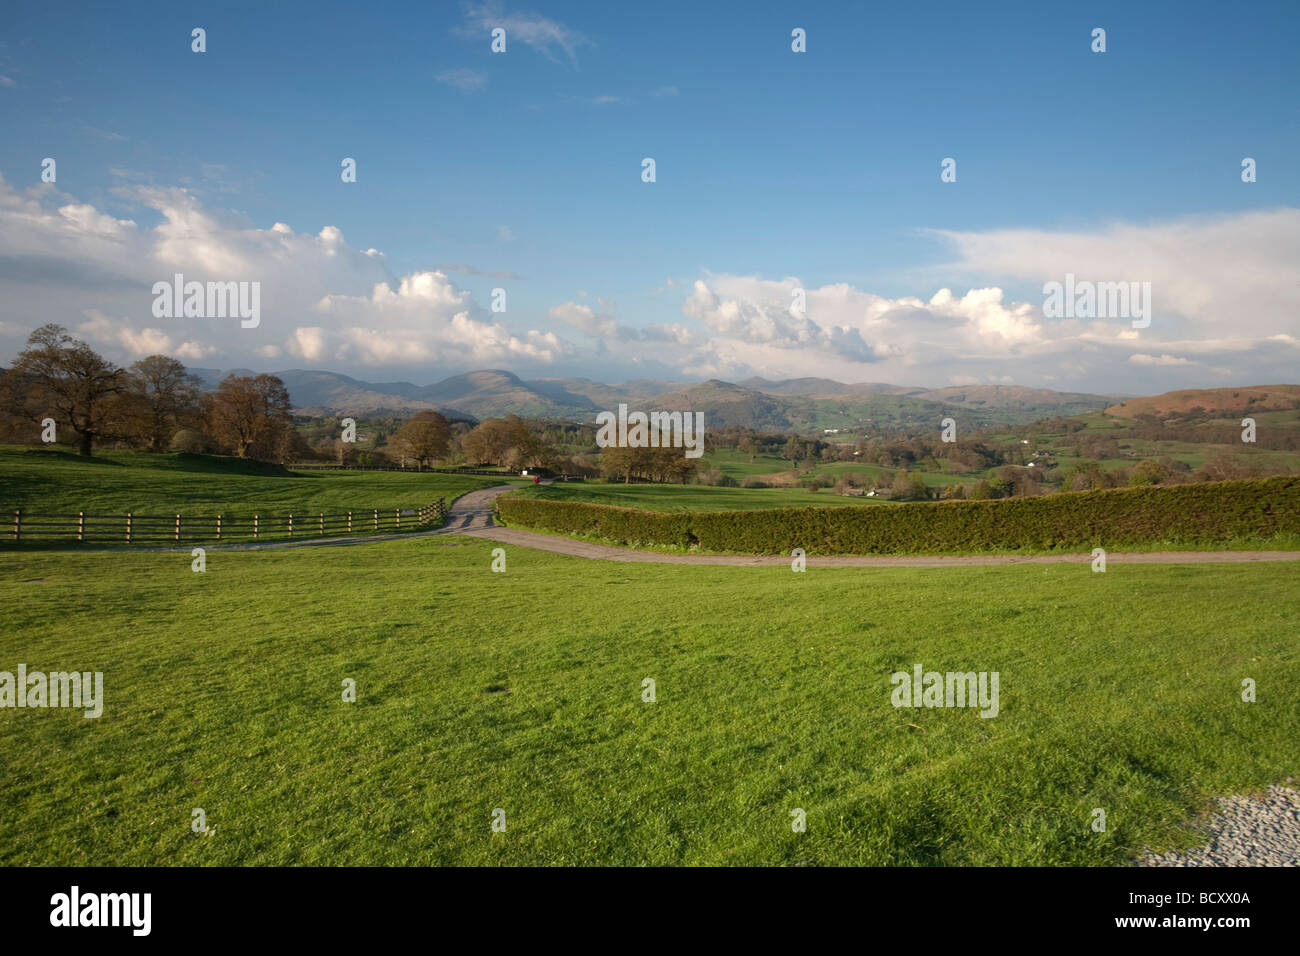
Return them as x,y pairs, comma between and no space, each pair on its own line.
131,527
319,466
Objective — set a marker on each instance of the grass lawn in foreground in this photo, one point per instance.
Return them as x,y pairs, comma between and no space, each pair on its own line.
523,691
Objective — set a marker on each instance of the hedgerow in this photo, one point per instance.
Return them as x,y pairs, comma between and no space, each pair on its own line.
1189,514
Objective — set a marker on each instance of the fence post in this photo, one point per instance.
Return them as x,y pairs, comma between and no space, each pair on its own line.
322,522
255,528
128,527
178,527
81,526
291,524
397,518
376,519
349,522
218,527
18,524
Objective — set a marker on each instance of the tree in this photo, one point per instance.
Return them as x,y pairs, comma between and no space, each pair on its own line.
505,441
908,485
66,376
617,461
162,397
1148,472
424,438
250,414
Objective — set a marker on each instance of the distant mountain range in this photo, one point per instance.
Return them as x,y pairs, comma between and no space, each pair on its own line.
794,404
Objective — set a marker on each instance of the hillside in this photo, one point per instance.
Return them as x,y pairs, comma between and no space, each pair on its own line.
1216,402
724,403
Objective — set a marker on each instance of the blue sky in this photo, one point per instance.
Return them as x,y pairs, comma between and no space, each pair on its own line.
820,168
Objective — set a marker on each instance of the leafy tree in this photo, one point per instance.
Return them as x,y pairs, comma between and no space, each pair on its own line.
505,441
251,415
908,486
161,397
1148,473
1085,476
618,462
424,438
66,376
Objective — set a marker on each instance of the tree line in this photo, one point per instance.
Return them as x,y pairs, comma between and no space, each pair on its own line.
155,404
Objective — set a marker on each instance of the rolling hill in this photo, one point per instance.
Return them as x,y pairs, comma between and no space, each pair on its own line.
1217,402
802,404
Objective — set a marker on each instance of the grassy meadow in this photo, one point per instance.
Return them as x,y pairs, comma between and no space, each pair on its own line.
523,691
690,497
118,482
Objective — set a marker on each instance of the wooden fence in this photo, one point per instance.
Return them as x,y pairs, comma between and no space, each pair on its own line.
132,528
329,466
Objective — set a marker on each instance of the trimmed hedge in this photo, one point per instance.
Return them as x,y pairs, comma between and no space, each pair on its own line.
1191,514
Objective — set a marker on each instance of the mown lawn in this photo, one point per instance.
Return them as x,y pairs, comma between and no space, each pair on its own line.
523,691
690,497
118,482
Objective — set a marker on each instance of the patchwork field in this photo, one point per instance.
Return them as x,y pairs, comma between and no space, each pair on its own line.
523,691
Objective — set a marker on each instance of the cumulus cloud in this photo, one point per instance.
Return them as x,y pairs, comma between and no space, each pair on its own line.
103,330
1226,296
322,300
1239,271
425,317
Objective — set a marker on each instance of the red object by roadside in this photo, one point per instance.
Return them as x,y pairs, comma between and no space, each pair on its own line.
537,480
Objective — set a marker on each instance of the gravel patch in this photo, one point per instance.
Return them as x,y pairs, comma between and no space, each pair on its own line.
1245,831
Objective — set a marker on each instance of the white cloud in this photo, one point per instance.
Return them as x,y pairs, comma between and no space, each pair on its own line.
1239,271
1226,304
543,34
307,343
76,264
427,317
137,343
194,351
605,326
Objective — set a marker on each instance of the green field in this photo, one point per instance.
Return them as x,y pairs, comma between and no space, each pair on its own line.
1057,443
689,497
117,482
523,691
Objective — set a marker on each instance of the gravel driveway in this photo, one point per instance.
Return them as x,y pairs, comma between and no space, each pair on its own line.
1245,831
